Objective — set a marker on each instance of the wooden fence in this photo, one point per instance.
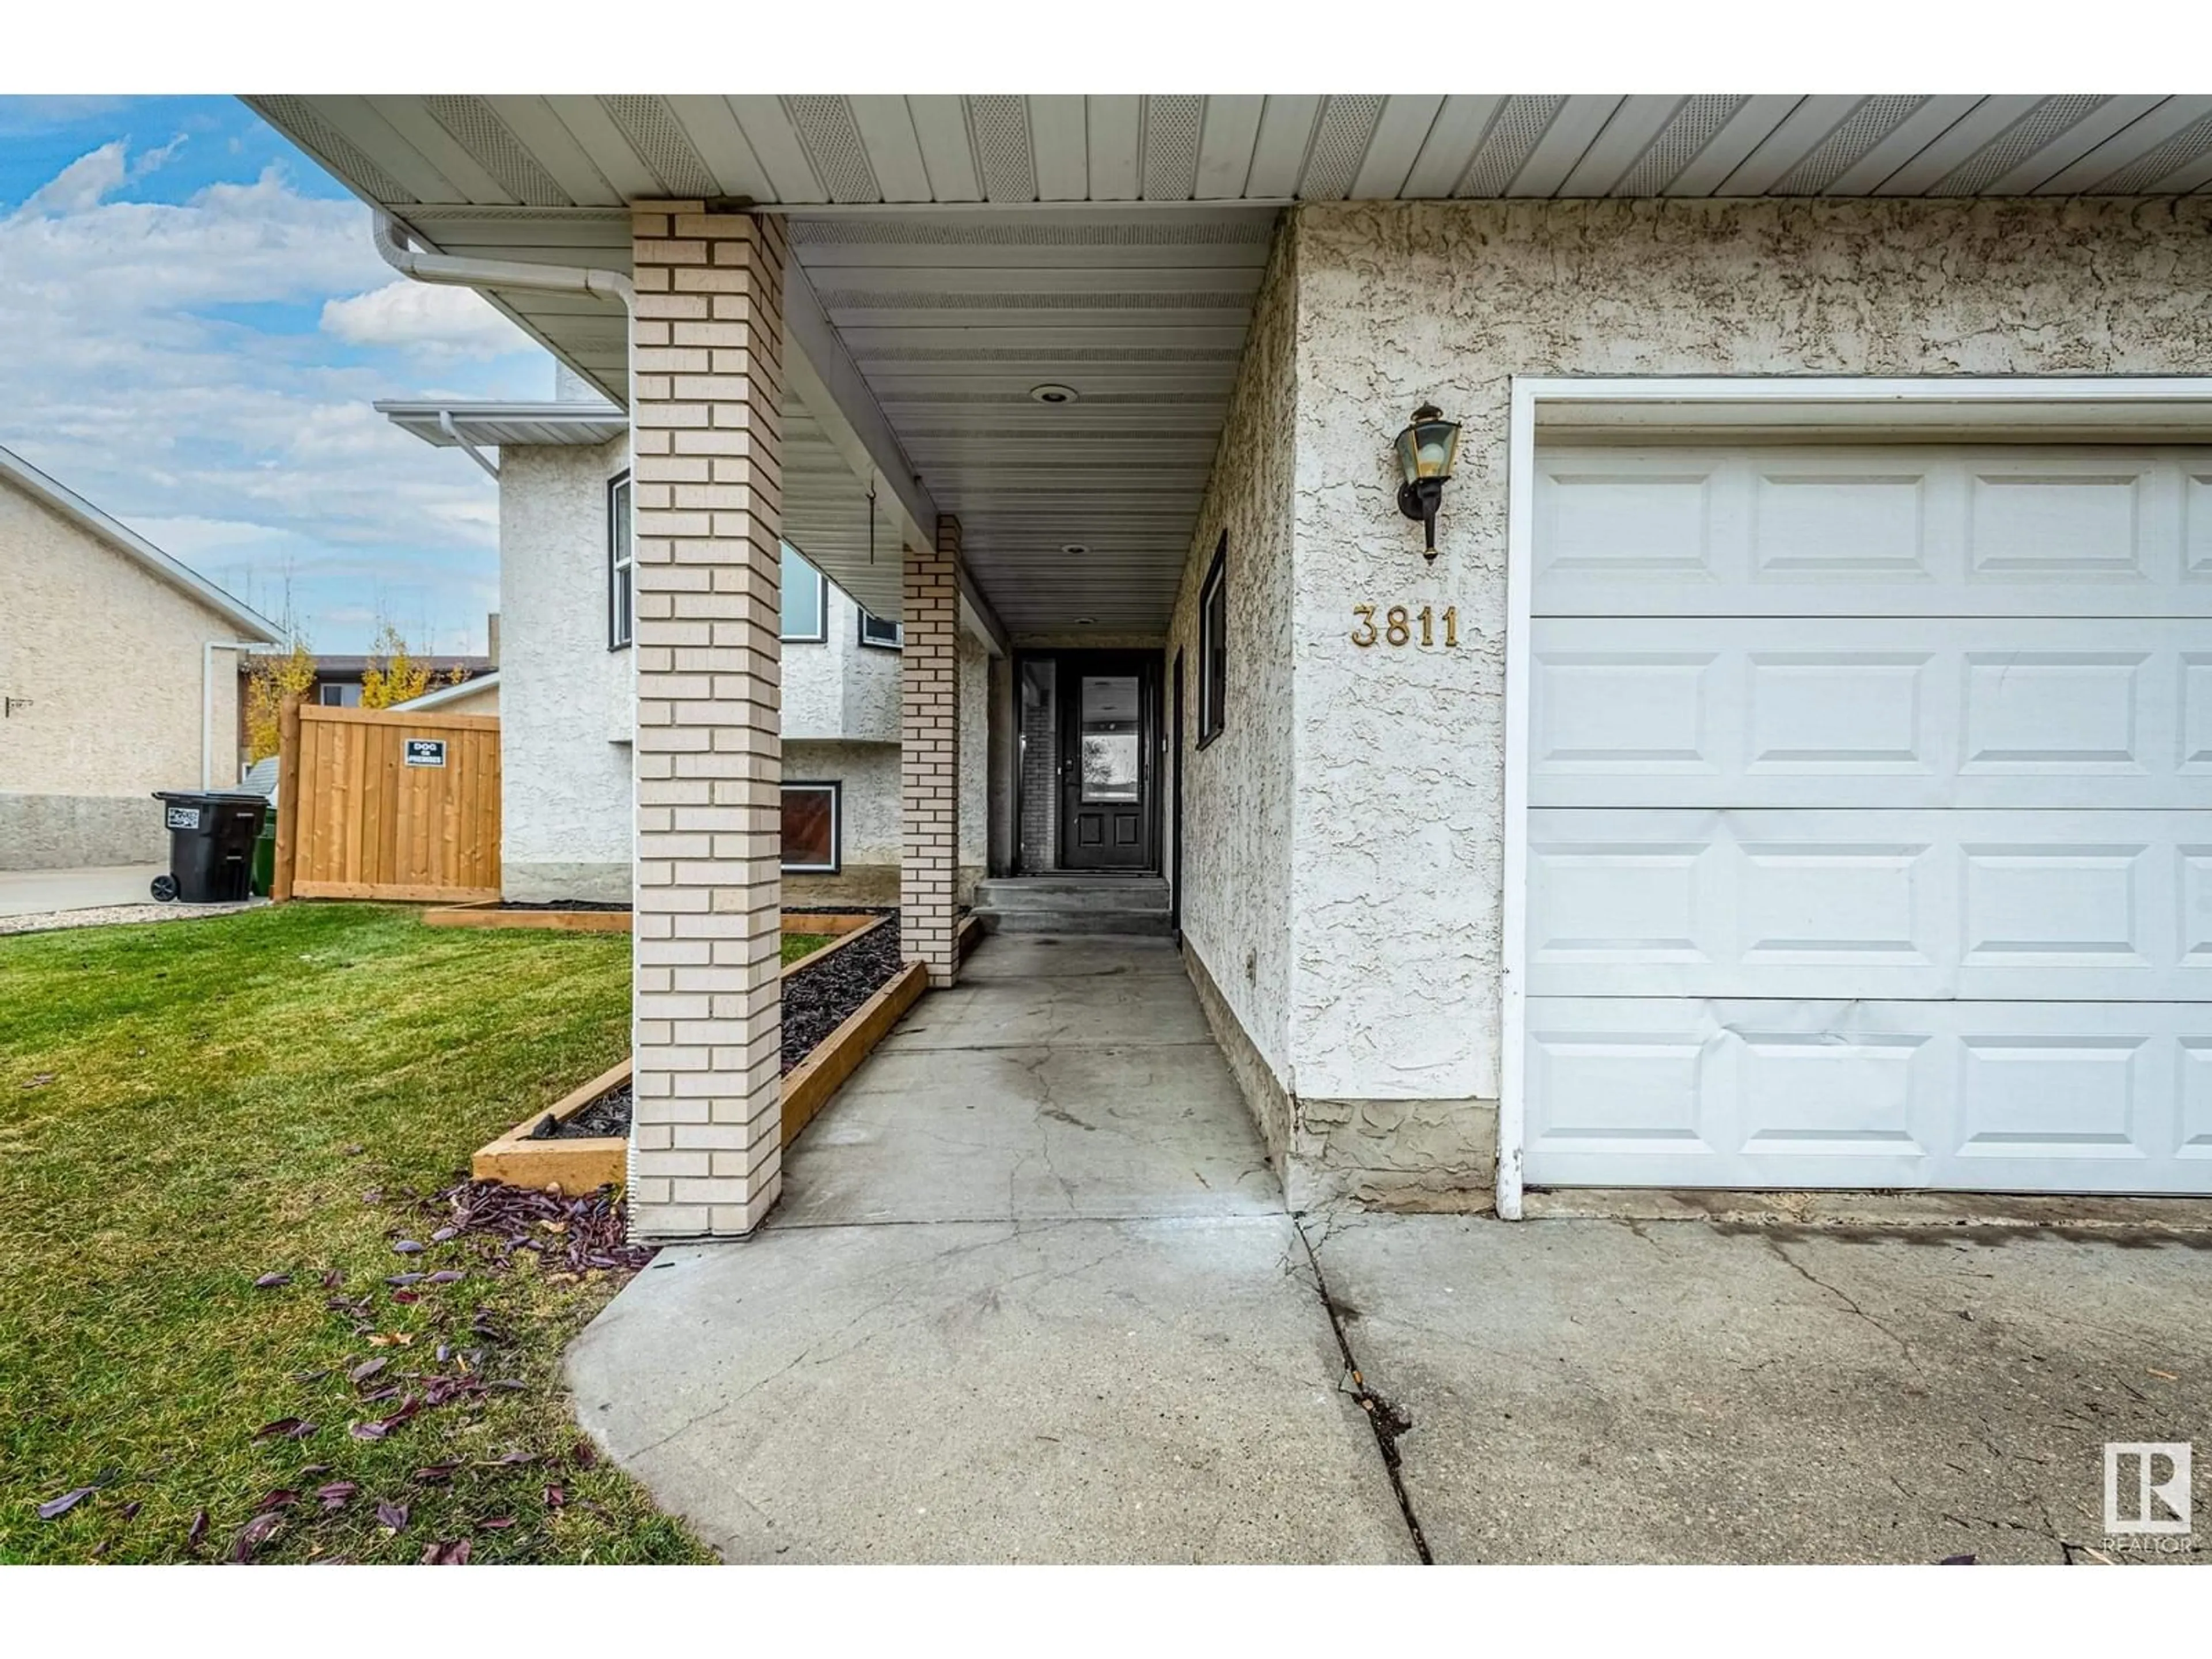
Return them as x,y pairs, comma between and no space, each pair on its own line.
378,804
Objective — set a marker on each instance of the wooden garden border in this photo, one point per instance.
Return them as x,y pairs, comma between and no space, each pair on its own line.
586,1166
487,912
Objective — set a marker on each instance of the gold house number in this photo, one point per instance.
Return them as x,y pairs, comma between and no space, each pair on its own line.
1398,624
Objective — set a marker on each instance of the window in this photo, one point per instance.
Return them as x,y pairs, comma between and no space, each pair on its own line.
810,827
338,696
806,600
874,630
621,604
1213,648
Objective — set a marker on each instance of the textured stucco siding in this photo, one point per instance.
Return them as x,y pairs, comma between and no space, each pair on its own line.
105,661
565,699
1237,880
1395,886
837,690
868,803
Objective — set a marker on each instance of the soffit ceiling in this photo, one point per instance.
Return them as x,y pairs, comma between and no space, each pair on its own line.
967,249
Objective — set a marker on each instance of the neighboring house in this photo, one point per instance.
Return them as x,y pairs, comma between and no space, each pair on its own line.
115,680
476,696
565,700
1789,771
338,678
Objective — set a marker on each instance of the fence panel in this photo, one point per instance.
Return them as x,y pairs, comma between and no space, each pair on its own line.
374,804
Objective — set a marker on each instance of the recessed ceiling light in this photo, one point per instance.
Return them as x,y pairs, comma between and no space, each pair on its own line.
1074,550
1085,622
1052,392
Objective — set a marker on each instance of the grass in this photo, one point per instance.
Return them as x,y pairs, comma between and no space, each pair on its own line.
187,1106
796,945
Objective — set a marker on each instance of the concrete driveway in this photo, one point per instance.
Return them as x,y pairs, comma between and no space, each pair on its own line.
1031,1295
37,892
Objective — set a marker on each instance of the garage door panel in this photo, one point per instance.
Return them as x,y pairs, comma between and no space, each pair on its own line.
1853,712
1874,530
2113,1097
2065,905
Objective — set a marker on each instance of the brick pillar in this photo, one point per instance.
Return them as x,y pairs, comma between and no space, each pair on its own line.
706,430
929,756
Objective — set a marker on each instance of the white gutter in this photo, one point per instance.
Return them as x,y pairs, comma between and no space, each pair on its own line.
208,648
391,239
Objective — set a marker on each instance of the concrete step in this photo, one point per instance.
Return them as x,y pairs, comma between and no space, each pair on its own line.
1073,893
1150,924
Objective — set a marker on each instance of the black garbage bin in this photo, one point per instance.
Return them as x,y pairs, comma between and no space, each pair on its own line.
211,836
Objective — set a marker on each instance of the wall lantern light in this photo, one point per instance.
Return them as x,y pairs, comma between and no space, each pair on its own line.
1426,451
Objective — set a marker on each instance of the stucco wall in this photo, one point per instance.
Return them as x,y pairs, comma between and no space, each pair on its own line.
105,661
1398,813
1237,850
565,699
836,688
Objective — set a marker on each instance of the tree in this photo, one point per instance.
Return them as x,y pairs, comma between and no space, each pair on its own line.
393,674
269,681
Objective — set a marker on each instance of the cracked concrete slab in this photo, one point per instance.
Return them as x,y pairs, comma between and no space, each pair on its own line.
1595,1391
1039,1134
1084,1391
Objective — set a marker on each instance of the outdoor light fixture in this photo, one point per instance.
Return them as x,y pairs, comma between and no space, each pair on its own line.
1426,451
1052,392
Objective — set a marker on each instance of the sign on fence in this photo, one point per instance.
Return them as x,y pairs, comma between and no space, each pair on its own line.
426,751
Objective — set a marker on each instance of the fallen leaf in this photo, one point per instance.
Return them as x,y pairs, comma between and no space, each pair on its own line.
404,1279
443,1234
129,1511
406,1246
338,1494
2171,1377
332,1277
271,1281
198,1530
433,1473
367,1431
282,1426
392,1515
584,1455
40,1080
309,1376
1956,1561
283,1499
554,1498
500,1525
54,1508
407,1295
254,1534
367,1368
447,1553
446,1276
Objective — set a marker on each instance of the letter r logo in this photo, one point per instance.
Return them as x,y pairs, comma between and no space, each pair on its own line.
2147,1486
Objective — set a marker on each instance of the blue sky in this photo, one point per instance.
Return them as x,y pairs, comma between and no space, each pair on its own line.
192,328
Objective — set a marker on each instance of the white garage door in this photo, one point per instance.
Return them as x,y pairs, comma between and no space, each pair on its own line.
1868,843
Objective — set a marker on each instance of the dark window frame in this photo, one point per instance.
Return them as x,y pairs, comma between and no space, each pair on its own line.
897,641
836,793
820,636
622,566
1212,658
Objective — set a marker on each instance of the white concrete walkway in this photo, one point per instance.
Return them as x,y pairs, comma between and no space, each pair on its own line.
1030,1295
38,893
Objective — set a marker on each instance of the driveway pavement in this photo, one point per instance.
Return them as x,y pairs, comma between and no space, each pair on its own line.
1031,1295
34,892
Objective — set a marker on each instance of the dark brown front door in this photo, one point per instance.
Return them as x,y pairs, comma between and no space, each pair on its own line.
1108,738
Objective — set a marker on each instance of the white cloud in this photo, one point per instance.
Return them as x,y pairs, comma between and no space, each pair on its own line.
429,320
168,361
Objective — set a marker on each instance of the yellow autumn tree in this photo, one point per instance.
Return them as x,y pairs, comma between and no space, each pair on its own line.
269,681
393,674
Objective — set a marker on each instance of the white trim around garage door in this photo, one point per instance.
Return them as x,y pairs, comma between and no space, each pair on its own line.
2175,409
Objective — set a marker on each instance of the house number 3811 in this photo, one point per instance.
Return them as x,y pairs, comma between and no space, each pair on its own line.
1398,625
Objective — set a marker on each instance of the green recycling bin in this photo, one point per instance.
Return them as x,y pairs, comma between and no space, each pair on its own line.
265,857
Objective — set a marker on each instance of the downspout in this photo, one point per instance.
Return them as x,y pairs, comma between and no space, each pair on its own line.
208,648
446,425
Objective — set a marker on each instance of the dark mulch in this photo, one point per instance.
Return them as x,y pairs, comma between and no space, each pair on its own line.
822,995
558,904
841,909
816,999
570,1233
608,1115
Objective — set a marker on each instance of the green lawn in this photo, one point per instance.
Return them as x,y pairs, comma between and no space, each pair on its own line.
796,945
186,1107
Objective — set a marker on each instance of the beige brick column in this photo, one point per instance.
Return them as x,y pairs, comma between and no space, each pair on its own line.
929,756
706,427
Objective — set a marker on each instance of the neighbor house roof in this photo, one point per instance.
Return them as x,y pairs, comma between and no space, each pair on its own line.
494,426
446,694
353,667
250,624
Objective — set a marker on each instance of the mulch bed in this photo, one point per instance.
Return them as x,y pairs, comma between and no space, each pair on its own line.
817,998
607,1115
